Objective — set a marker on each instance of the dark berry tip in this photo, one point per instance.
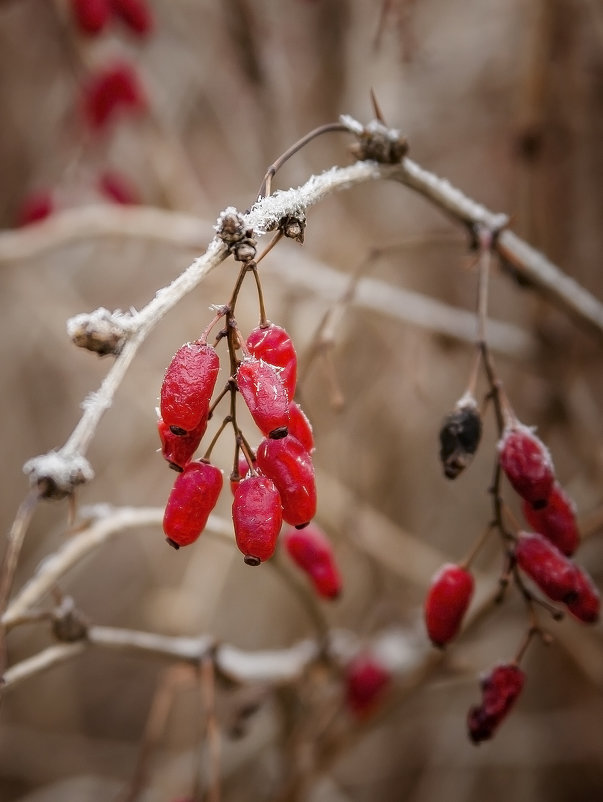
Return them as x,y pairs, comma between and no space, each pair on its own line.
178,431
177,468
249,559
278,434
172,543
302,526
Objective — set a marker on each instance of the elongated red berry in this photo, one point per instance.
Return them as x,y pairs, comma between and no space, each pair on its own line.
310,549
527,463
91,16
446,603
176,449
586,606
300,427
116,89
194,495
117,188
136,14
35,207
290,467
257,518
500,690
366,681
187,386
274,346
556,521
265,395
549,568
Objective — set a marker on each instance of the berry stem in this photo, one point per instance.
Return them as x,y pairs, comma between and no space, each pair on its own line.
264,322
475,549
207,456
220,313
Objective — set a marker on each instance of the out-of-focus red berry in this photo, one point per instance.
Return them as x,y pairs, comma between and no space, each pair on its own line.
176,449
187,386
257,518
274,346
136,14
310,549
116,89
366,681
300,427
527,463
265,396
91,16
549,568
193,497
117,188
556,521
500,690
35,207
586,606
290,467
446,603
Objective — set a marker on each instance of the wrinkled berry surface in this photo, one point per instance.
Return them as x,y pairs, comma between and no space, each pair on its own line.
257,517
193,497
188,384
265,396
179,450
274,346
290,467
527,464
459,438
446,603
500,690
310,549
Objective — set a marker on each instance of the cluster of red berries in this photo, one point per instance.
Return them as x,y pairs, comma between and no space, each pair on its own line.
93,16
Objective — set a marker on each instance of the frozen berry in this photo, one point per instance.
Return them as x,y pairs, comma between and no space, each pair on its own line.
194,495
459,437
366,681
310,549
290,467
550,569
272,344
527,463
178,450
556,521
500,690
257,518
187,386
265,396
446,603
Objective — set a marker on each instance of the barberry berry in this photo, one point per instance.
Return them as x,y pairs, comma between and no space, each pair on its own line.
257,518
176,449
446,603
527,463
115,89
459,437
500,690
549,568
290,467
265,396
91,16
585,607
117,188
187,386
366,681
194,495
272,344
300,427
136,14
310,549
35,207
556,521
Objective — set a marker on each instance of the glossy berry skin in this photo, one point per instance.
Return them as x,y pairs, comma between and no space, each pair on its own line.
91,16
274,346
35,207
178,450
290,467
556,521
136,14
257,518
117,188
366,682
500,690
586,606
265,396
310,549
446,604
550,569
194,495
300,427
114,90
527,463
187,386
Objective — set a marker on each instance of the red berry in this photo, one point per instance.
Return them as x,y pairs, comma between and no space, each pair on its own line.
187,386
556,521
265,396
300,427
193,497
274,346
117,188
310,549
550,569
527,463
366,681
586,606
90,16
176,449
446,603
290,467
115,89
500,690
136,14
257,518
34,207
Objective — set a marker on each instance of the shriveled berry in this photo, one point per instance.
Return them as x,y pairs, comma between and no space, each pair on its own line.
257,518
300,427
117,188
446,603
459,437
290,467
527,463
187,386
90,16
366,681
500,690
549,568
111,91
586,606
274,346
136,14
194,495
176,449
265,395
556,521
310,549
35,207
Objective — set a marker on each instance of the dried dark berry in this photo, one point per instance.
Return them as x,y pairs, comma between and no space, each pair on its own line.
459,437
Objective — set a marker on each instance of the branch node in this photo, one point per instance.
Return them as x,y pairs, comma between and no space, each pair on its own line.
376,141
293,227
68,624
56,475
100,331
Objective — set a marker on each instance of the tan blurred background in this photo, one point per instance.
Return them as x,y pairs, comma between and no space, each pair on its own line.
503,98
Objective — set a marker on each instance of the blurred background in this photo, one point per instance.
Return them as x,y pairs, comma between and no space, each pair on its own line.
505,99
